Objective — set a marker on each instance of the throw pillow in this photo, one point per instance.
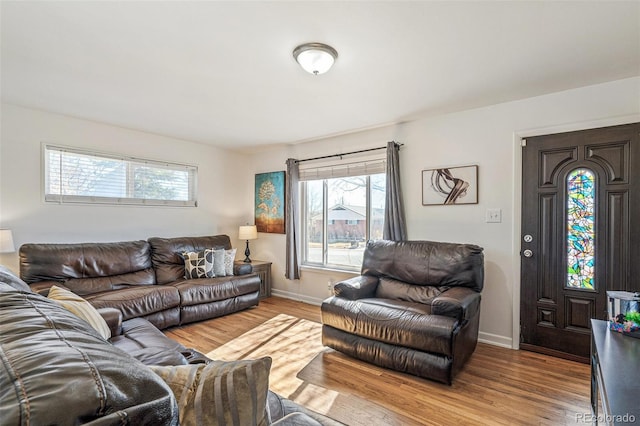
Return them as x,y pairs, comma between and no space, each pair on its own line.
80,308
229,257
220,393
198,264
218,263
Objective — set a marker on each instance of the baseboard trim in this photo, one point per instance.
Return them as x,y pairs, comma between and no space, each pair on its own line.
495,340
295,296
491,339
554,353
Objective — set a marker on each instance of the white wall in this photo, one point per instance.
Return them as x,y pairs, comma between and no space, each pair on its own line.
488,137
221,207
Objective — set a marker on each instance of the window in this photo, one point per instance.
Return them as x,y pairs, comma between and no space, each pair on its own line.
581,229
342,208
75,176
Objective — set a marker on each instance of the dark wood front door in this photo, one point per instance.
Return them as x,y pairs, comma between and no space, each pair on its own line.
580,233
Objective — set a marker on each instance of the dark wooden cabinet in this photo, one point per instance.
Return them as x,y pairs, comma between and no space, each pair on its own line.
263,270
615,375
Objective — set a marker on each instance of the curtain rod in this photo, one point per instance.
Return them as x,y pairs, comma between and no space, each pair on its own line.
346,153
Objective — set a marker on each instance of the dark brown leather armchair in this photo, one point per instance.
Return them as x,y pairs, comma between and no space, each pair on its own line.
415,308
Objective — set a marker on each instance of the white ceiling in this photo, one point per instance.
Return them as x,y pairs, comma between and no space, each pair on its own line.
223,73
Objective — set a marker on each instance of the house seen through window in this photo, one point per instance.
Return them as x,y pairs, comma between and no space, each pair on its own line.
340,214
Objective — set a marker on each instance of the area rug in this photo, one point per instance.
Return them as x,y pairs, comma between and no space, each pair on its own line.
315,376
292,343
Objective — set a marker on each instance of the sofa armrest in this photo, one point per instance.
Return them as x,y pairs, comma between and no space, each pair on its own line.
461,303
280,408
355,288
42,287
242,269
113,318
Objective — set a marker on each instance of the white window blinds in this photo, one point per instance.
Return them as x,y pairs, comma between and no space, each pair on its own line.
76,176
339,168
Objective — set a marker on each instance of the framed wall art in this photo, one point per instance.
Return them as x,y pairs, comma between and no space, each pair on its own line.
270,202
451,185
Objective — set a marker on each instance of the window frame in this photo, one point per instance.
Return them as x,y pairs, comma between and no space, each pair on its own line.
325,214
130,164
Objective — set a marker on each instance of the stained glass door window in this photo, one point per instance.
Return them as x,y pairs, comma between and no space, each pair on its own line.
581,196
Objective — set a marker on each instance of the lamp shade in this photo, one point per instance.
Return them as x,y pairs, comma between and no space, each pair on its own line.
248,232
315,58
6,241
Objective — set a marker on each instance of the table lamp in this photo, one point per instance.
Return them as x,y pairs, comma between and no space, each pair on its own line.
248,232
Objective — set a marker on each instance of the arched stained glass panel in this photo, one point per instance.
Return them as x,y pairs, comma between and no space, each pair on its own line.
581,195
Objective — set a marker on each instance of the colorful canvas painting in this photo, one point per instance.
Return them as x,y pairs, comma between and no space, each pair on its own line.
270,202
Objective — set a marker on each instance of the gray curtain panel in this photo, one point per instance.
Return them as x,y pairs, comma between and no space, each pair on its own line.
292,215
395,227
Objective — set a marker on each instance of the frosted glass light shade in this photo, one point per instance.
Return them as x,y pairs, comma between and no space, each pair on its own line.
6,241
315,58
248,232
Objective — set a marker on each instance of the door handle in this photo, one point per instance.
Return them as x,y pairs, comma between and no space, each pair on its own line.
527,253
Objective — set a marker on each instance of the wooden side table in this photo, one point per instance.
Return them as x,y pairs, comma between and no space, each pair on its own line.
263,270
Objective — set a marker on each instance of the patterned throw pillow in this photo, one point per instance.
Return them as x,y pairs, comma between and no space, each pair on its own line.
220,393
80,308
218,263
229,257
198,264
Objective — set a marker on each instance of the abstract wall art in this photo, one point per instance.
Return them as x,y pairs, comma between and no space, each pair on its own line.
450,185
270,202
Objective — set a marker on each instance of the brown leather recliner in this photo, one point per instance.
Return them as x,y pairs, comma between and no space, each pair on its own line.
415,308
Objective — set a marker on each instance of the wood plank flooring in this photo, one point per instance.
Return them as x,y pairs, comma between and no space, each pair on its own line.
498,386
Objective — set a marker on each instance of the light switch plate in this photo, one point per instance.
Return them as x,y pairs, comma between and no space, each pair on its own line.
494,216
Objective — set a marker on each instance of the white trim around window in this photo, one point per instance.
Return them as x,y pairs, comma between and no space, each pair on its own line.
73,175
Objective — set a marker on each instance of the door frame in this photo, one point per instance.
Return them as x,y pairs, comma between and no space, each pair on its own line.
516,218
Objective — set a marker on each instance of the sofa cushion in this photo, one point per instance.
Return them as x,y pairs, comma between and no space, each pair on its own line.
80,308
219,269
205,290
229,258
220,393
198,264
55,369
137,301
166,253
426,263
87,268
139,335
395,322
388,288
9,278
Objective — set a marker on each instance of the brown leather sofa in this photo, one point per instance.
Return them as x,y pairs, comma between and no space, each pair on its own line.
142,279
56,369
415,308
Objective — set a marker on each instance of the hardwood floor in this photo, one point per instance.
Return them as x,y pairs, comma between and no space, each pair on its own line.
498,386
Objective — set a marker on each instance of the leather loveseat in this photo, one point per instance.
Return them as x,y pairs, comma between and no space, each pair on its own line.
142,279
56,369
415,308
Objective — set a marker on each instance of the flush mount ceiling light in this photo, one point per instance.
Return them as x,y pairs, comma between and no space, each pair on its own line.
315,58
